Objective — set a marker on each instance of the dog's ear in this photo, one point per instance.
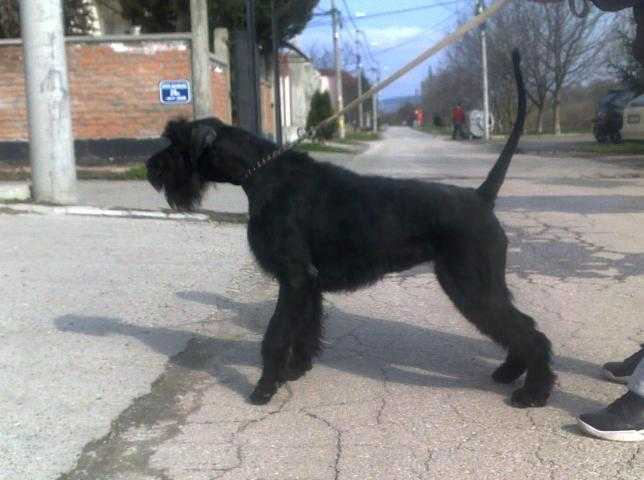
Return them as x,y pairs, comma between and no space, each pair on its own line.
201,138
177,131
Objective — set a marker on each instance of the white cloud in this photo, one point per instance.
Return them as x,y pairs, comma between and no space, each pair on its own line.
384,37
379,37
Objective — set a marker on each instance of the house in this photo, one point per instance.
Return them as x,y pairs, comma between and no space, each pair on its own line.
299,82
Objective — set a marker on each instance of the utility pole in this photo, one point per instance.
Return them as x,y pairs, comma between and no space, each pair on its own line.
480,7
276,74
201,84
255,109
338,68
360,105
374,105
51,142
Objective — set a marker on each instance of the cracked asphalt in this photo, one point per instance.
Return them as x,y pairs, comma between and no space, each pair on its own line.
128,347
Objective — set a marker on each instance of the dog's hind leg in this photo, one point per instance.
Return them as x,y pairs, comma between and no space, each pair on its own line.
472,273
305,342
296,301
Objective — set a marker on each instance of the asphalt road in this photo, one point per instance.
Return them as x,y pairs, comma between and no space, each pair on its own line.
128,347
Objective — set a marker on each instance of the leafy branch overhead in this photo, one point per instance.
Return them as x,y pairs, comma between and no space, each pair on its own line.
78,18
163,15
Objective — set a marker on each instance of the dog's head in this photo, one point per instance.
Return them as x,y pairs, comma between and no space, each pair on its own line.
200,152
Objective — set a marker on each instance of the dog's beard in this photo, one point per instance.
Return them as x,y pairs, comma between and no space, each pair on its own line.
185,195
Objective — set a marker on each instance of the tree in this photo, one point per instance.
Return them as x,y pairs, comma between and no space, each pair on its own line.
321,109
557,49
620,59
9,19
521,25
78,18
155,16
574,48
323,58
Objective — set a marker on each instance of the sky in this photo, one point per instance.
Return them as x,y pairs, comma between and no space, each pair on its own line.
394,38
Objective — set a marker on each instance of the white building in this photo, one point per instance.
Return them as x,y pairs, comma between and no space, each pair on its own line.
299,82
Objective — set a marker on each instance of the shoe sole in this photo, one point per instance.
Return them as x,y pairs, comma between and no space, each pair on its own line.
613,378
615,436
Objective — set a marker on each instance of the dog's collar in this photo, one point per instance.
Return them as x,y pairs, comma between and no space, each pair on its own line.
272,156
263,162
258,166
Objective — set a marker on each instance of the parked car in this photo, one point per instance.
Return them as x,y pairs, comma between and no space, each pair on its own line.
633,128
609,120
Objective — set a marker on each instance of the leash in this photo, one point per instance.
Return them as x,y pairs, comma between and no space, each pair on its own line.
467,27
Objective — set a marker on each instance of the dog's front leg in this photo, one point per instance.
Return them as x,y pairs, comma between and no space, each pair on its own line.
292,303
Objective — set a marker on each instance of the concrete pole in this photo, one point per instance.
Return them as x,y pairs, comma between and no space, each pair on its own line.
374,109
201,81
276,74
256,126
360,105
338,69
486,97
51,142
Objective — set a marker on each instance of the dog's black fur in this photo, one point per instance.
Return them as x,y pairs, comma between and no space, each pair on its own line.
316,227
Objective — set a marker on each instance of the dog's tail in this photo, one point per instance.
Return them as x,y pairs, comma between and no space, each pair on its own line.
492,184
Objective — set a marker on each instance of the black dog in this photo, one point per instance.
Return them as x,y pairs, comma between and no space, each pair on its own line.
316,227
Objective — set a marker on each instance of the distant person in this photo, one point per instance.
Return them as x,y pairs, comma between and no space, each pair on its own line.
458,119
622,420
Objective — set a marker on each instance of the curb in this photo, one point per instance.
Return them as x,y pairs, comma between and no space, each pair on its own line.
202,216
14,191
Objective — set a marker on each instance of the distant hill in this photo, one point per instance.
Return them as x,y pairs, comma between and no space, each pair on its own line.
392,105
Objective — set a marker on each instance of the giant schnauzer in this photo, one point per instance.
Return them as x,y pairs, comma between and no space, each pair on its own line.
319,228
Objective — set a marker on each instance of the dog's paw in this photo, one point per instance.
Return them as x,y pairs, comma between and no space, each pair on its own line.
507,373
261,396
527,397
264,391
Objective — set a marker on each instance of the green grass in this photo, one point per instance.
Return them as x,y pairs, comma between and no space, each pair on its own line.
436,130
138,172
357,137
630,147
321,147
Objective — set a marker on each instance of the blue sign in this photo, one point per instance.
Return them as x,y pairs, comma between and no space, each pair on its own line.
175,92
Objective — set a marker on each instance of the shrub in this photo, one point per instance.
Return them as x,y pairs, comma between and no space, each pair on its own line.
321,109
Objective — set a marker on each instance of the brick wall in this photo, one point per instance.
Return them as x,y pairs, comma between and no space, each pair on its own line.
114,89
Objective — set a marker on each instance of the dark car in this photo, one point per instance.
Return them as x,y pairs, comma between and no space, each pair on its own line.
610,120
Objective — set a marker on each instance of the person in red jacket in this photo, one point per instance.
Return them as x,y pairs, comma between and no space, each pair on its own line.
458,119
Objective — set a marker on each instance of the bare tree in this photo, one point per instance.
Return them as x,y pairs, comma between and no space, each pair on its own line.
620,59
322,57
522,26
557,49
574,44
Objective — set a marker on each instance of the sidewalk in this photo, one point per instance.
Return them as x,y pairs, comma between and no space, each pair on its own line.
139,195
224,200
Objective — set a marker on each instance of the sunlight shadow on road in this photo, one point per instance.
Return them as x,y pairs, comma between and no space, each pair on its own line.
409,354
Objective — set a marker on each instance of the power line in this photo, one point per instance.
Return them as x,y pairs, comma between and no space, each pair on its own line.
364,45
392,12
408,10
416,37
346,7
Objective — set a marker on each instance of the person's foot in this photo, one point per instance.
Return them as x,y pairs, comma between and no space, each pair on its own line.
621,421
620,372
